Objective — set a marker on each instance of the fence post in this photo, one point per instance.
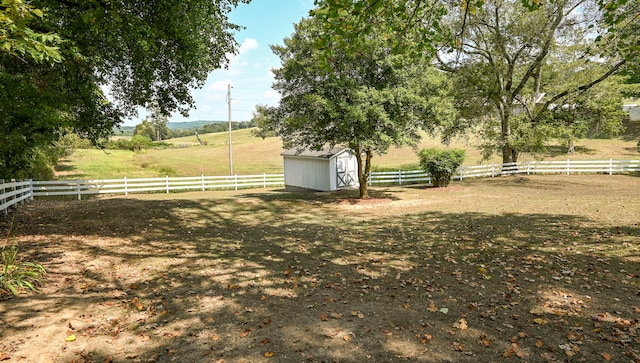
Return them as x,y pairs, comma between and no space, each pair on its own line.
167,183
400,177
31,189
568,167
493,170
235,180
126,192
13,189
461,172
611,166
264,180
3,200
203,182
78,189
528,167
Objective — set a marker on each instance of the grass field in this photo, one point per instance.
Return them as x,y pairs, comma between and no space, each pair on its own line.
531,269
253,155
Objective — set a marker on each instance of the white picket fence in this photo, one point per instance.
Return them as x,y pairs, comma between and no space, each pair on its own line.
16,192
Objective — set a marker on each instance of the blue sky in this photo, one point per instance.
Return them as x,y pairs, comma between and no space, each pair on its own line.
266,22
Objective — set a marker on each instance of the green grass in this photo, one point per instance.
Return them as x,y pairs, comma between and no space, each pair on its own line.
253,155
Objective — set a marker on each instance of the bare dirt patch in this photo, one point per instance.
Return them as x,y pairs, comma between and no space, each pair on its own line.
535,269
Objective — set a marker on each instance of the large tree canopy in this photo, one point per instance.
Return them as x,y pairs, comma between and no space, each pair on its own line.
367,100
505,60
500,52
143,52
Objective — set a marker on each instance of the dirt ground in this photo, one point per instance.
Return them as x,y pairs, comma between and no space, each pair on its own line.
531,269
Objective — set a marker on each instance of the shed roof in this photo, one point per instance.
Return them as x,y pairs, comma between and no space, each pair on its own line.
324,153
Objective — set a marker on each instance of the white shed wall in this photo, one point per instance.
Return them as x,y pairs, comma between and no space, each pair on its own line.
308,173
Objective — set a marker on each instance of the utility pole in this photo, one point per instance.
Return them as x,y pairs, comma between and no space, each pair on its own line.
230,148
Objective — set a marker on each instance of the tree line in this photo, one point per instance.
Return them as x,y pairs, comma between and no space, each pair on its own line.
371,74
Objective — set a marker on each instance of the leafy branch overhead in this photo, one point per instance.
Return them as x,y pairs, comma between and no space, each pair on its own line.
145,53
19,40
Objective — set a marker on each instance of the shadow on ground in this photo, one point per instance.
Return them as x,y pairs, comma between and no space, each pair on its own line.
300,277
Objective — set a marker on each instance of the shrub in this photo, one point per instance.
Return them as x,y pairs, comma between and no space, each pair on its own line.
441,164
15,275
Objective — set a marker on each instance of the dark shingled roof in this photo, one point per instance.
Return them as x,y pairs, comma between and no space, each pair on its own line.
325,153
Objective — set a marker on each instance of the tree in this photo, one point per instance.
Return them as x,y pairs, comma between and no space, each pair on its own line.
594,113
497,50
159,123
145,128
261,122
143,52
502,66
367,100
19,40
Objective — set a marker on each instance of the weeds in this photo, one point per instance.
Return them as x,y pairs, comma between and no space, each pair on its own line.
16,275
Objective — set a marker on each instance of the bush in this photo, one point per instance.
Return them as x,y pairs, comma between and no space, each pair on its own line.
441,164
15,275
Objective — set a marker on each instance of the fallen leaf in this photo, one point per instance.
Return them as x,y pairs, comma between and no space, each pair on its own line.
444,310
324,317
263,298
426,338
461,324
269,354
540,321
485,341
432,307
70,338
457,347
346,338
245,333
265,341
539,343
4,356
606,356
336,315
548,357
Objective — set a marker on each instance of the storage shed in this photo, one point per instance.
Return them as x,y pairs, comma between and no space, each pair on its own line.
322,170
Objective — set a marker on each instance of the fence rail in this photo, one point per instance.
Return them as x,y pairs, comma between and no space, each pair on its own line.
166,185
15,192
567,167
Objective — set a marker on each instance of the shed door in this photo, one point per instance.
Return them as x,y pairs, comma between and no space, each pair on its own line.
346,174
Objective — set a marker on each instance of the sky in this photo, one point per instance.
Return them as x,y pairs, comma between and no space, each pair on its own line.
266,22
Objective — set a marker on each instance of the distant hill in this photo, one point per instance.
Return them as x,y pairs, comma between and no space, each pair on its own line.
187,125
191,125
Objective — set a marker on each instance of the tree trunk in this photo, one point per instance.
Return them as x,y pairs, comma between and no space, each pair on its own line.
509,153
198,137
572,147
364,171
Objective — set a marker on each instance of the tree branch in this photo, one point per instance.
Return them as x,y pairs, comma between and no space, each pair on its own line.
582,88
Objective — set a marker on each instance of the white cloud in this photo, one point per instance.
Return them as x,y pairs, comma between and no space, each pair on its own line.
220,85
247,45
